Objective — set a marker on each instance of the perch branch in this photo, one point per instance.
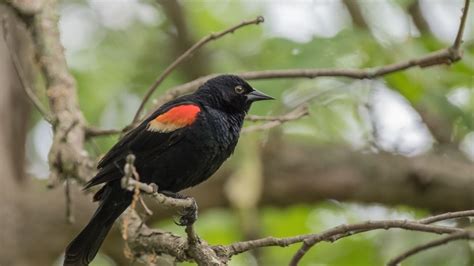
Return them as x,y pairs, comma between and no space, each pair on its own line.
194,250
152,191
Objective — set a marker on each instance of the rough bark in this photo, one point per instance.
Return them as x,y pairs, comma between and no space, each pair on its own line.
30,213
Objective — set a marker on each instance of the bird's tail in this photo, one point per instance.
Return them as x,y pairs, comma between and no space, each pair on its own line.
82,250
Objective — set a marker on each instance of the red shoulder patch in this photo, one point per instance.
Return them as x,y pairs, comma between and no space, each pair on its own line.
175,118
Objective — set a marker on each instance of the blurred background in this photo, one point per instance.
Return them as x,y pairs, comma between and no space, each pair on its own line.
369,149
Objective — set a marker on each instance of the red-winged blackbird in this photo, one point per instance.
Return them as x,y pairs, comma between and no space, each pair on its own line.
179,146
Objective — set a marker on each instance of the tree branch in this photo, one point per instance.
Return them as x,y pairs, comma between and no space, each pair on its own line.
458,41
446,216
274,121
187,54
349,230
193,249
438,242
346,230
336,233
219,255
98,132
67,157
444,56
22,78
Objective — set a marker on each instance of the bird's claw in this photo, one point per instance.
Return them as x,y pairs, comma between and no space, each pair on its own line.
188,215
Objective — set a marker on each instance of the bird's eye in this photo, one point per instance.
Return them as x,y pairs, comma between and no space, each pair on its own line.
239,89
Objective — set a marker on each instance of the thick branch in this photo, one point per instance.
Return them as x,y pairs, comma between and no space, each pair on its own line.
142,240
67,156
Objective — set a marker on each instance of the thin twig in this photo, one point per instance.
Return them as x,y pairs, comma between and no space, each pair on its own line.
98,132
148,211
428,220
458,41
187,54
446,216
438,242
356,228
442,56
269,118
337,233
274,121
67,192
22,77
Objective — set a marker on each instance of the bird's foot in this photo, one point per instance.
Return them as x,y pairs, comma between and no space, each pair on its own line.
188,215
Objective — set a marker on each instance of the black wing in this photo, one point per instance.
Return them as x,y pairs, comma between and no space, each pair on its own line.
138,141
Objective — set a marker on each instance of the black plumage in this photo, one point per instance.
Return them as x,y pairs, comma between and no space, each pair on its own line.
179,146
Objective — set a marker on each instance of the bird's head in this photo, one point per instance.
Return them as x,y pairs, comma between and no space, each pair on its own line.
230,93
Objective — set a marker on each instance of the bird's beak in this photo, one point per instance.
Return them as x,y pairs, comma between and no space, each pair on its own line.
258,96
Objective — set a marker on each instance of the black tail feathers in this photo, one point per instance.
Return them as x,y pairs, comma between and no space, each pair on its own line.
82,250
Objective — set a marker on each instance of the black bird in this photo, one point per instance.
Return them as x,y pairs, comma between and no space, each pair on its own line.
179,146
